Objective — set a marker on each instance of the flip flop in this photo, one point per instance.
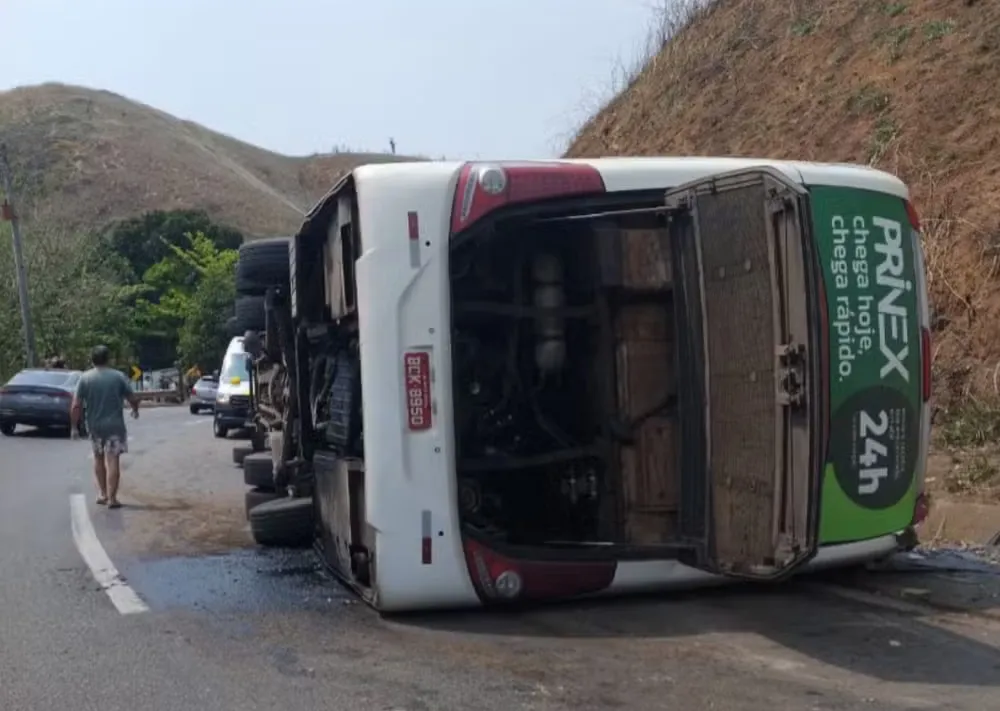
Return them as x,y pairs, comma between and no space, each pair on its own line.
114,505
102,500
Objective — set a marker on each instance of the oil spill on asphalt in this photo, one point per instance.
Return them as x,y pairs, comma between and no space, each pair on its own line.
241,581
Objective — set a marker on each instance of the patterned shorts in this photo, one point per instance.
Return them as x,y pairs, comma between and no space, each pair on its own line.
113,445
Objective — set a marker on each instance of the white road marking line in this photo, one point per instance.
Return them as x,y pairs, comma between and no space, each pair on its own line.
123,597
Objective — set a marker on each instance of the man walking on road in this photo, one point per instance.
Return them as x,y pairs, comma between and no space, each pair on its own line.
99,396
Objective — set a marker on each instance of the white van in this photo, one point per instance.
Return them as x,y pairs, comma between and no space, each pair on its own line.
232,399
538,380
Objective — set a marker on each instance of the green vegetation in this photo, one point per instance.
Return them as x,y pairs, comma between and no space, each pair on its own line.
973,423
155,289
972,475
188,296
869,99
804,26
937,29
885,133
894,9
895,40
144,241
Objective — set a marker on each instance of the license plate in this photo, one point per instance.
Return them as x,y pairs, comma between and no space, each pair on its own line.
35,398
417,384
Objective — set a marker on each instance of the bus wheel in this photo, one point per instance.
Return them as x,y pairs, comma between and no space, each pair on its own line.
241,453
258,441
257,496
287,523
262,263
258,470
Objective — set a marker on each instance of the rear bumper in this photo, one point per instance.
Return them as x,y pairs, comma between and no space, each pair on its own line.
197,401
36,418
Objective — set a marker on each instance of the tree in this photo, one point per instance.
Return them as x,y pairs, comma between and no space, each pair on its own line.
145,243
145,240
78,299
203,337
195,290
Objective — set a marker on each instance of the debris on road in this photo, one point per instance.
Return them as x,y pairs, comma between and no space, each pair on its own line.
960,578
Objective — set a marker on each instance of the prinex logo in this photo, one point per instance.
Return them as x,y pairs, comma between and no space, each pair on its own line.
893,320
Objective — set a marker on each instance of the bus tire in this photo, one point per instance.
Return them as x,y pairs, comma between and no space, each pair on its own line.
250,313
286,522
262,263
258,441
240,453
258,470
257,496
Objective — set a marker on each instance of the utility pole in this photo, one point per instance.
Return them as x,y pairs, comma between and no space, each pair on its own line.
10,215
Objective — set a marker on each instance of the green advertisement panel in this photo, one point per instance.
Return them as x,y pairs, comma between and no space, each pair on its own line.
866,249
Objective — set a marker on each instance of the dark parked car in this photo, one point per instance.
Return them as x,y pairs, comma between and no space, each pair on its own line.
38,397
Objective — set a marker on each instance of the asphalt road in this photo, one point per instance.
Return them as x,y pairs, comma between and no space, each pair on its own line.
228,627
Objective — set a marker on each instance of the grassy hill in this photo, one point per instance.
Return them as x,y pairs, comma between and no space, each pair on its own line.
909,86
85,157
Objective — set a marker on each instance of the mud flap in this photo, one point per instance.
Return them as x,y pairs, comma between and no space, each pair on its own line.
749,349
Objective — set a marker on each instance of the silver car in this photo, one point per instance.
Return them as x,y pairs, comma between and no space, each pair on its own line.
203,394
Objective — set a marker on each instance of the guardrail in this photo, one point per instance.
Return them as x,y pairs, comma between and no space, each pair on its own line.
160,397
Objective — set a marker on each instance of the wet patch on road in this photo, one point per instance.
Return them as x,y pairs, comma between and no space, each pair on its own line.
155,526
957,579
241,581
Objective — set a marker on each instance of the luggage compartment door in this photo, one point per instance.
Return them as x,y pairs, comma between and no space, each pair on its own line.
747,304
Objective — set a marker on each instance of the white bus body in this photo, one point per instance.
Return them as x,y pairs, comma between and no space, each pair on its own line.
390,504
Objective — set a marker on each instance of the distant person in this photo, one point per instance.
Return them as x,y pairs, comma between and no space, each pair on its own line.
100,394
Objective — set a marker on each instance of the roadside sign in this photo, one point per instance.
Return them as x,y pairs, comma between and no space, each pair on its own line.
136,373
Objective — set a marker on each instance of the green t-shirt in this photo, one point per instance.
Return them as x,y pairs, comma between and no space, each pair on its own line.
102,392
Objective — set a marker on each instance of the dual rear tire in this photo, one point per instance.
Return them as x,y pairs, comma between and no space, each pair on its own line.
282,522
262,263
275,518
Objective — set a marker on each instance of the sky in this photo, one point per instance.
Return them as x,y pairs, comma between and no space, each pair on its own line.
444,78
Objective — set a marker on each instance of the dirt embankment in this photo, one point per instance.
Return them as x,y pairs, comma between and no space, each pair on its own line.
908,86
